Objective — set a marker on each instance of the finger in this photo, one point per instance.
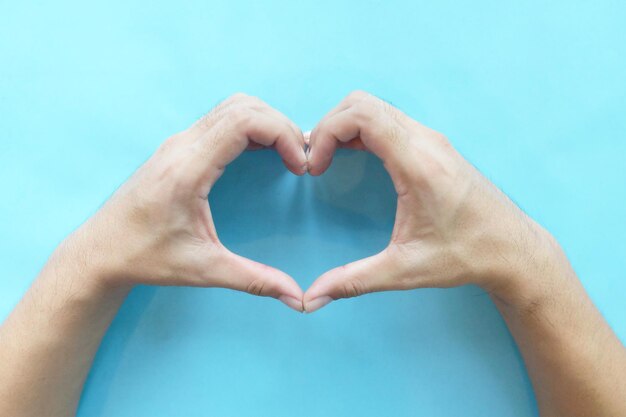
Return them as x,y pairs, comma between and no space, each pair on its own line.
236,103
242,274
265,108
211,118
366,125
274,131
235,132
183,139
346,103
323,149
310,137
375,273
259,105
354,144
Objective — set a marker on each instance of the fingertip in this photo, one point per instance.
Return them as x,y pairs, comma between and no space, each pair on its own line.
296,170
244,274
313,172
318,294
316,303
303,161
304,165
320,153
317,170
307,153
286,287
289,144
292,302
314,167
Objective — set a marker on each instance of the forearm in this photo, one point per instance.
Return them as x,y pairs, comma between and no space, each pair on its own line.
48,342
576,362
454,227
156,229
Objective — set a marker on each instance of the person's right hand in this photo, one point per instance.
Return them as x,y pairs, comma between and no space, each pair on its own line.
157,228
452,227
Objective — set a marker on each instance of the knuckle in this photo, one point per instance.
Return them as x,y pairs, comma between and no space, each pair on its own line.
241,99
430,172
365,110
237,97
239,116
255,101
172,182
255,287
353,287
358,95
284,132
228,110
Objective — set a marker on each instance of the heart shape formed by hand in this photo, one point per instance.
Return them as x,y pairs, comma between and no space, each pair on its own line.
170,237
428,176
304,224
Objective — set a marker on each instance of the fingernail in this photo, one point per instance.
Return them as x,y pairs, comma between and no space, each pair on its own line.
317,303
292,302
305,166
309,153
307,136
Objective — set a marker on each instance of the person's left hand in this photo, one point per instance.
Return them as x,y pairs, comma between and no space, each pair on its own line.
453,226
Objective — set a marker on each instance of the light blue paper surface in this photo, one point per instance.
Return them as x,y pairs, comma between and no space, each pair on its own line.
533,93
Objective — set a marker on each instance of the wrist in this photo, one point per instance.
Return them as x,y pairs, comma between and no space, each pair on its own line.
81,258
526,268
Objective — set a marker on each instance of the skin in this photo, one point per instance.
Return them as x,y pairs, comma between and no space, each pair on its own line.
157,230
453,227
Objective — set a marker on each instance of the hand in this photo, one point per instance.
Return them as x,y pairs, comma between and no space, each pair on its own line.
452,226
157,228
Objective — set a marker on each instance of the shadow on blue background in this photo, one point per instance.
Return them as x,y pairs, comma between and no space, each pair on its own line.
533,93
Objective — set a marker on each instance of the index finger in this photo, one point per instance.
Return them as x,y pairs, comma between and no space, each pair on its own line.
246,123
368,120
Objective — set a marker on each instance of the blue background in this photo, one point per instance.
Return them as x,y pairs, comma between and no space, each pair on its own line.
532,92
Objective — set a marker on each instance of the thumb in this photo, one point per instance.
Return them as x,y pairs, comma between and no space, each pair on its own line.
242,274
372,274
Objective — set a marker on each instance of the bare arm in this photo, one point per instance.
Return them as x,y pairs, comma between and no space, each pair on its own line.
576,362
453,227
48,342
156,229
